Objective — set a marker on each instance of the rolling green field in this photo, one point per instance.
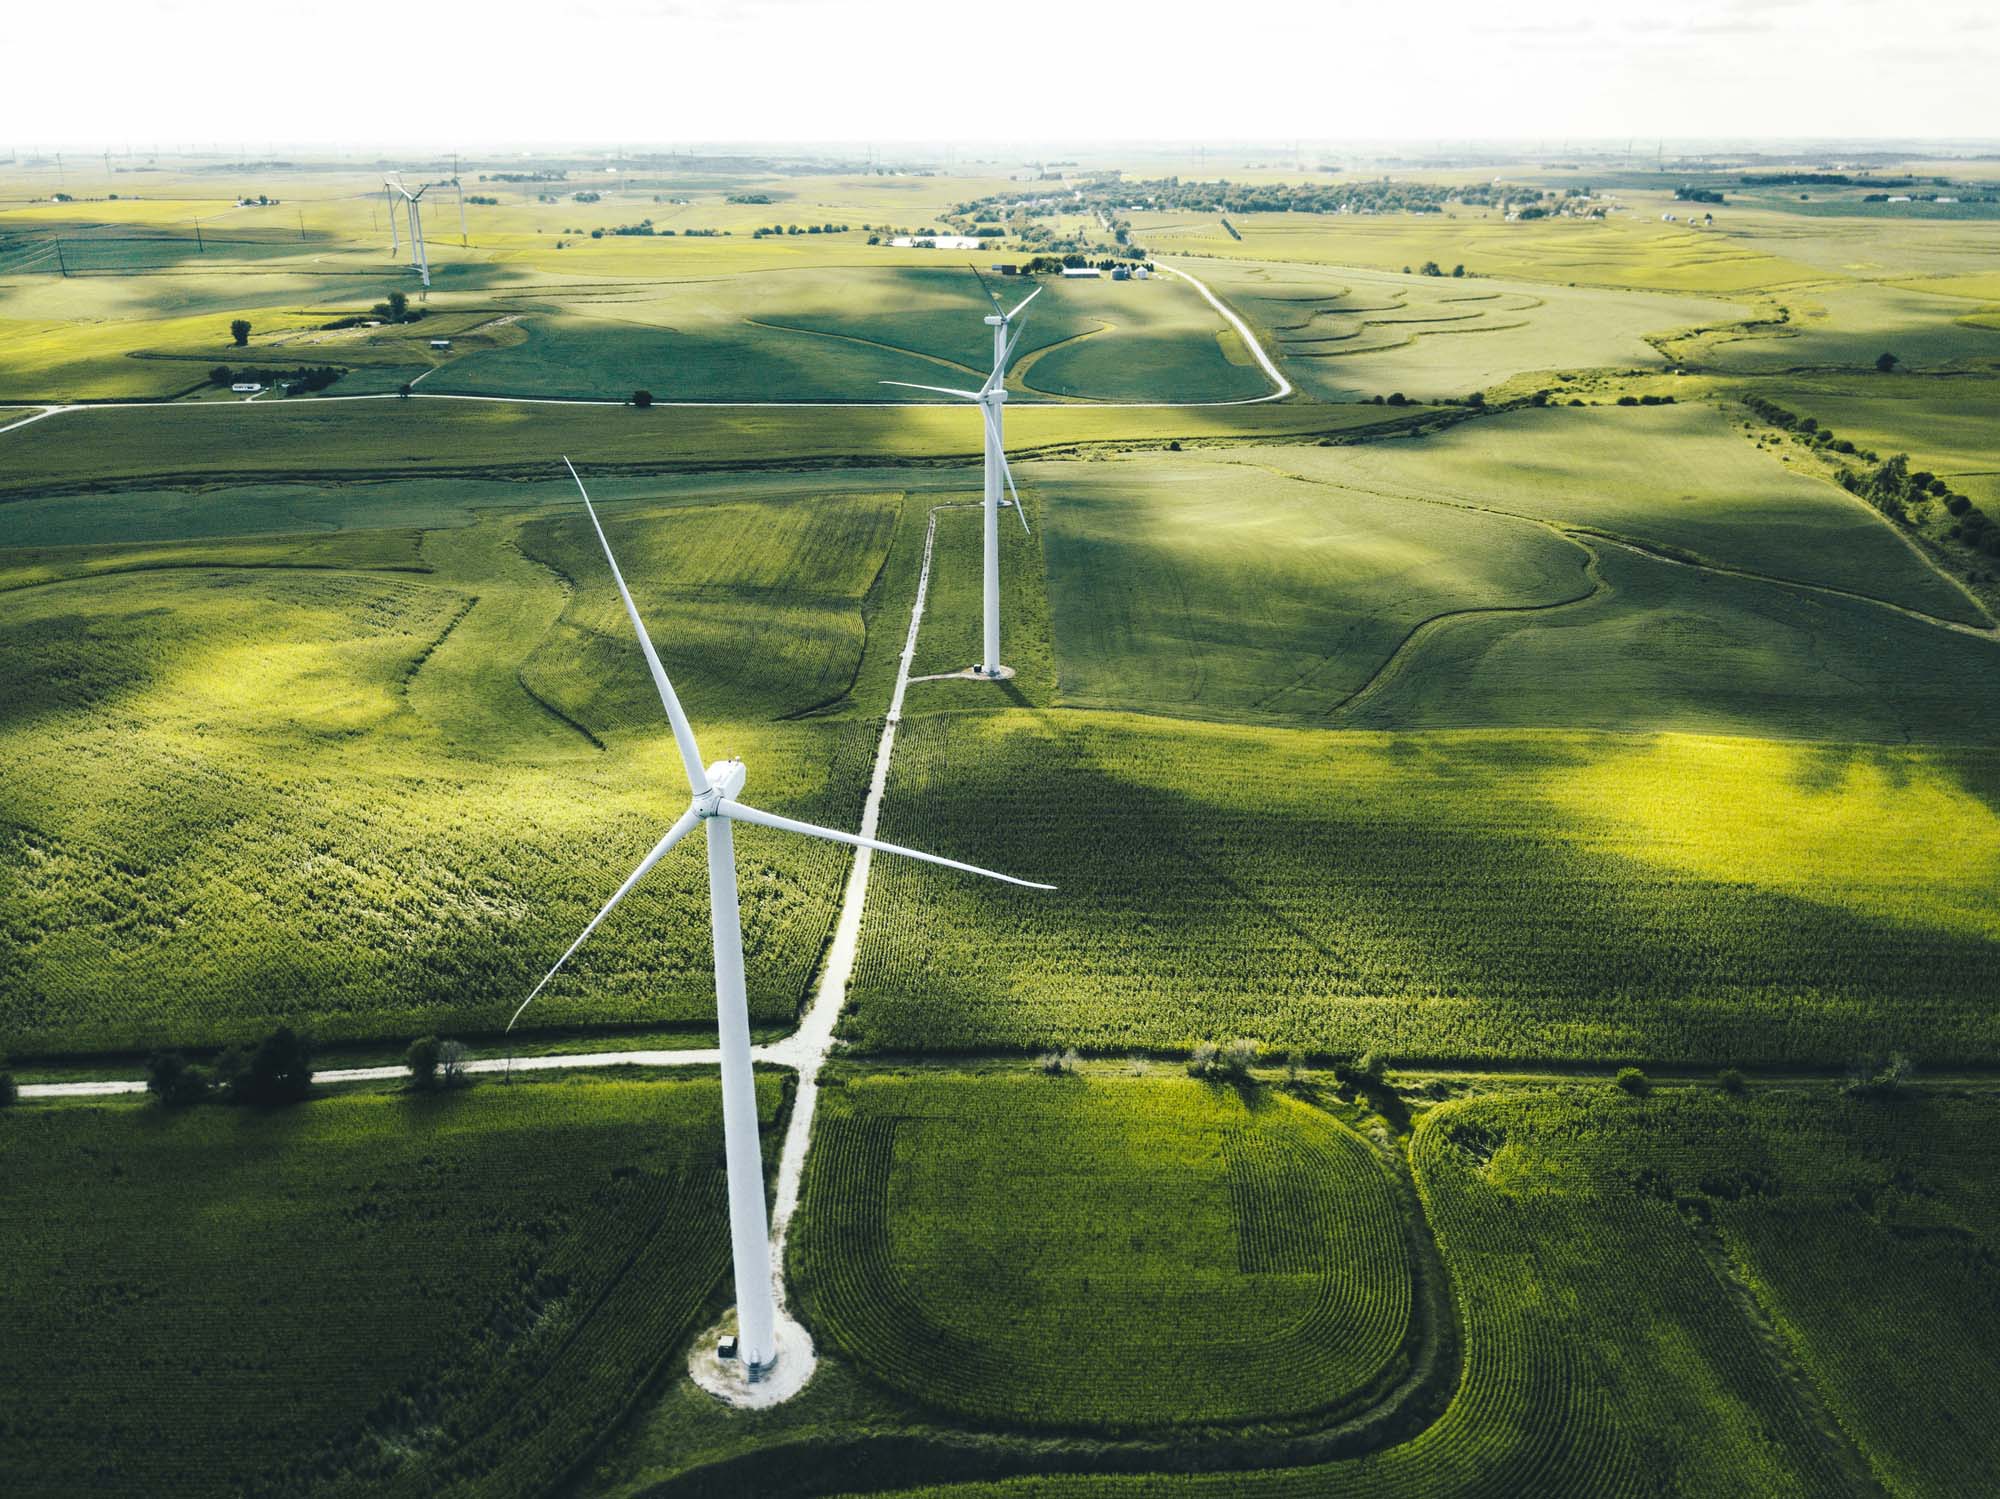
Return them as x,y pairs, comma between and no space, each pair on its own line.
1946,426
1231,588
1625,253
976,1241
1588,568
837,335
1349,334
379,801
1499,744
1661,1297
1490,895
374,1293
314,442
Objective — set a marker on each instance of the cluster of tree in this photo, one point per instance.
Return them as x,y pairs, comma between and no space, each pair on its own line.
1645,400
1869,1078
436,1064
1688,194
1225,197
1815,179
397,309
1893,487
1804,428
10,1091
748,198
1230,1063
1931,198
306,378
483,202
1049,265
277,1071
784,229
586,197
1432,268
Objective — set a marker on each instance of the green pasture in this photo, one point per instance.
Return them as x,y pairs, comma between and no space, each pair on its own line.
1659,645
1686,1295
1452,895
1625,251
973,1241
1232,588
1674,479
381,1293
1847,326
318,441
1348,334
1945,425
837,334
371,782
1616,568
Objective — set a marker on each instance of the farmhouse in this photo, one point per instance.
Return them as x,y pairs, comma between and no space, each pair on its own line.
246,387
440,343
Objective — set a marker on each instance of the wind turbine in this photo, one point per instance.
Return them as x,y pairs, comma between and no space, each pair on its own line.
992,396
714,804
393,186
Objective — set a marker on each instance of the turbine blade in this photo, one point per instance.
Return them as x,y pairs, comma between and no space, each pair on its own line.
1025,301
737,812
697,774
1006,354
986,287
675,833
1006,470
943,390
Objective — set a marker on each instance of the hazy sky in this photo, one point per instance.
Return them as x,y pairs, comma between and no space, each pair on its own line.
449,73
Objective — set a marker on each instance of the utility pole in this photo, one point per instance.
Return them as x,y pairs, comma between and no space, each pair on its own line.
199,247
302,226
61,265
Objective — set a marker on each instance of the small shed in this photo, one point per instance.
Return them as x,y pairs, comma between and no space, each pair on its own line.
440,343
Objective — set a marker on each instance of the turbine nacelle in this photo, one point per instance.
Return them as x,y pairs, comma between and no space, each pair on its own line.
725,783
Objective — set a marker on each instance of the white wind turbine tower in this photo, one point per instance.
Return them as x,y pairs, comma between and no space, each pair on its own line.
715,788
392,186
992,397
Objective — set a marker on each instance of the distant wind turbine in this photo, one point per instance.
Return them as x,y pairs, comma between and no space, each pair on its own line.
715,788
992,397
392,186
